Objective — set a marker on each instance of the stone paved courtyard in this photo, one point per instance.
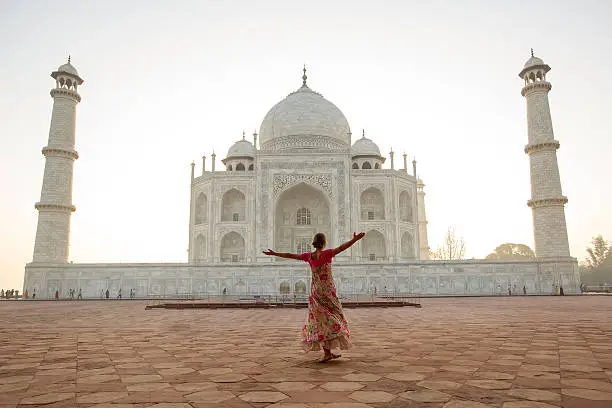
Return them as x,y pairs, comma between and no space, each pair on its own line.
505,352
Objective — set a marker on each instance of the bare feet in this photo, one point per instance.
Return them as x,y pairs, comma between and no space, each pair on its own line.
329,356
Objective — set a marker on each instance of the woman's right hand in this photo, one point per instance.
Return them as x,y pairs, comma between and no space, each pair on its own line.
357,237
269,252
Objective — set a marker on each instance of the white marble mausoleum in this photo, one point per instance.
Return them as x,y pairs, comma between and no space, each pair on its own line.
302,174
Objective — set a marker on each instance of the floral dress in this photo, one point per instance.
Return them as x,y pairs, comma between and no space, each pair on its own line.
325,326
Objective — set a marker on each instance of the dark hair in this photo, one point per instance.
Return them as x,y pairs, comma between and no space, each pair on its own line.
319,240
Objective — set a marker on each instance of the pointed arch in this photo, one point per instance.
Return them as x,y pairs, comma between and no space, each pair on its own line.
200,248
405,206
233,206
366,165
373,246
372,205
232,247
299,288
240,167
407,245
201,210
293,227
355,166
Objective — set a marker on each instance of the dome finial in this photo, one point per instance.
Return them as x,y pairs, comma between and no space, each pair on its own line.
243,134
363,133
69,58
532,52
304,77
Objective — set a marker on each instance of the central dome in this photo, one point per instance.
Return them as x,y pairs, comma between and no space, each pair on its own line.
304,119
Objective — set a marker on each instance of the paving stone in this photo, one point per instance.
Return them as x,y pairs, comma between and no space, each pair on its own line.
489,351
210,396
490,384
262,396
439,385
534,394
527,404
372,396
587,394
426,396
342,386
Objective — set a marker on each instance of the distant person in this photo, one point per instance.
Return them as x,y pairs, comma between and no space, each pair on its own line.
119,294
25,294
131,293
80,296
524,290
325,328
561,291
34,294
56,294
107,294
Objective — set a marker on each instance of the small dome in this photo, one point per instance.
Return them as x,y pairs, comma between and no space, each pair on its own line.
68,68
365,147
242,148
533,61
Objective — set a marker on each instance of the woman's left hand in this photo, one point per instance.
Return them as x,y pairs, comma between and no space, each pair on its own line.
357,237
269,252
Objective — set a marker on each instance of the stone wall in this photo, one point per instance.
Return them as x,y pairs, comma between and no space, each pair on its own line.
432,278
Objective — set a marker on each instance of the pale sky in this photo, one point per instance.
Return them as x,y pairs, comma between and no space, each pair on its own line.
166,82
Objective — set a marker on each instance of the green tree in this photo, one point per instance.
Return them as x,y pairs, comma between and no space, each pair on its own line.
511,252
599,253
597,267
452,248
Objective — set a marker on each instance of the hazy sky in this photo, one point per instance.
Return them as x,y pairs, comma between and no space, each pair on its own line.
167,81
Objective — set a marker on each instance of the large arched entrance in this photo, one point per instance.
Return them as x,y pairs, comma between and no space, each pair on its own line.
301,212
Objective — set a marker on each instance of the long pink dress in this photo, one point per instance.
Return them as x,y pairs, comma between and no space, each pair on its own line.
325,326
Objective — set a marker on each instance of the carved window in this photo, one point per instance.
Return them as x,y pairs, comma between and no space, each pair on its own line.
240,167
234,258
355,166
370,215
372,257
303,216
235,217
303,246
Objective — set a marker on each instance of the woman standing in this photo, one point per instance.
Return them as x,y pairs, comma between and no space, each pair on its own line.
325,328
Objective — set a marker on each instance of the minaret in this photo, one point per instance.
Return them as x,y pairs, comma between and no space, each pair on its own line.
422,219
55,205
547,200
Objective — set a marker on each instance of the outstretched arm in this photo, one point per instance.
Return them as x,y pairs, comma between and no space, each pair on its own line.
282,254
348,244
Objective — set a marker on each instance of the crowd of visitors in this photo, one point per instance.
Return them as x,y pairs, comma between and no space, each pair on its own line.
9,294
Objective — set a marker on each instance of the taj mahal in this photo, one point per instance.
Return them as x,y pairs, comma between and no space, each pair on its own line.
304,172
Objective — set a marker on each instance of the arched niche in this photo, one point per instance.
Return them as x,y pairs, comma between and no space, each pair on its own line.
233,206
372,205
301,211
407,245
240,167
373,247
366,165
200,248
201,210
299,288
405,207
232,248
284,288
